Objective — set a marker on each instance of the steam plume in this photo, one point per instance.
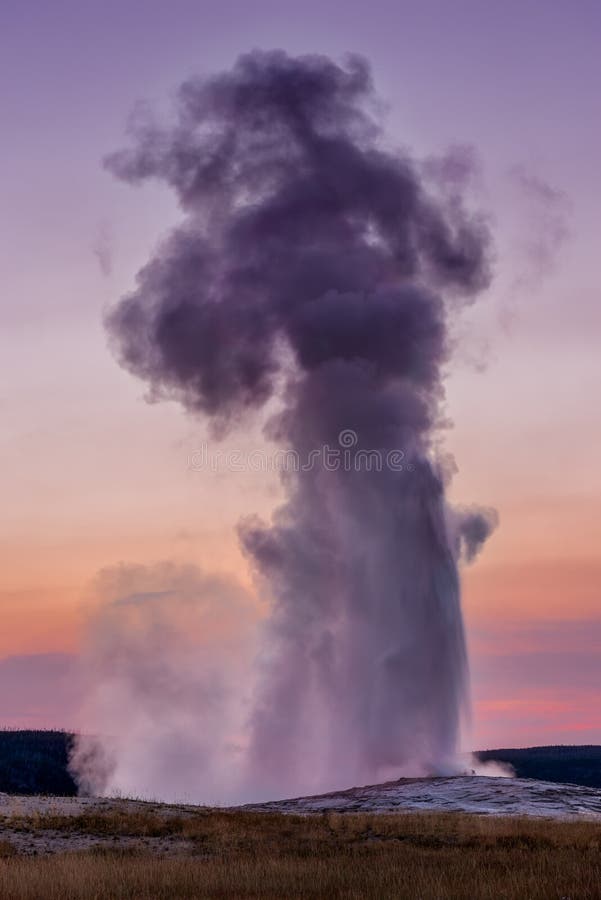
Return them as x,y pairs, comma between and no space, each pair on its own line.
164,669
317,267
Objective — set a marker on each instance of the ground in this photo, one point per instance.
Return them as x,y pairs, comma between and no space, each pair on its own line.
344,845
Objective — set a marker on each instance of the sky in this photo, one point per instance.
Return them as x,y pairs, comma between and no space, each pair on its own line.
92,476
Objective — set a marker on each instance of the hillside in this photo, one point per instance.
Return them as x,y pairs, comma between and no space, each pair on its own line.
35,762
565,764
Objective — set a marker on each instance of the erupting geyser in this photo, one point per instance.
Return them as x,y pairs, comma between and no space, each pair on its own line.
317,266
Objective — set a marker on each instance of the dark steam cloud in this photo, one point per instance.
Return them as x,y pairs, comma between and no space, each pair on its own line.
473,527
298,228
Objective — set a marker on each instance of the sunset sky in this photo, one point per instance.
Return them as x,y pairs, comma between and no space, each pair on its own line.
93,476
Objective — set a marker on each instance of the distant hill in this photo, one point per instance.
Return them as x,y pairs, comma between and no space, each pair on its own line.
571,765
35,762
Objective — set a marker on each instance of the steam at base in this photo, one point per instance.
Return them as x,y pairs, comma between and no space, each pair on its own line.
317,267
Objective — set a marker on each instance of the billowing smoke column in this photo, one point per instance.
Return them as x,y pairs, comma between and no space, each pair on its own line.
316,267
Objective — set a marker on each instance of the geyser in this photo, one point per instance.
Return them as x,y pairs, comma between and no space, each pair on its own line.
318,267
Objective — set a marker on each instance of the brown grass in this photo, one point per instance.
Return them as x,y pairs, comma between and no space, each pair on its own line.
267,855
7,849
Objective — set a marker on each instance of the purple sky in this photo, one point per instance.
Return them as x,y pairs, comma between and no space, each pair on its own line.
91,475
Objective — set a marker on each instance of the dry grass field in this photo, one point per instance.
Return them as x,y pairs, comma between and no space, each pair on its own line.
220,854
